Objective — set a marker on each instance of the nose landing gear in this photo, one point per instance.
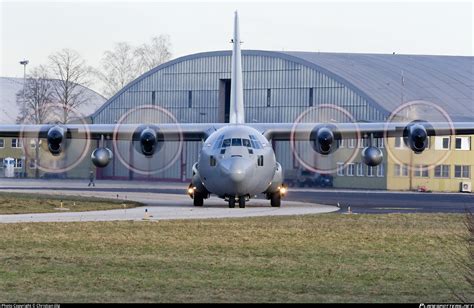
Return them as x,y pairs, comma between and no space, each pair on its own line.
232,201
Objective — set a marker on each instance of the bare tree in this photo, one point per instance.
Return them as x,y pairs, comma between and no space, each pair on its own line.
72,77
36,98
118,67
153,54
36,103
125,63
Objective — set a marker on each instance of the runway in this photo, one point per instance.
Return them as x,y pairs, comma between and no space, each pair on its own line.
159,205
169,201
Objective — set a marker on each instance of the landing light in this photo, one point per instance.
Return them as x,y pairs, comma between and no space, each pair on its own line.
191,190
283,190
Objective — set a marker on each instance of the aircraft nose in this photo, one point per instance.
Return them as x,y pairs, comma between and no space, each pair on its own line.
237,169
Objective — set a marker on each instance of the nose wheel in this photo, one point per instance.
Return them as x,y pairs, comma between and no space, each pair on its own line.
232,202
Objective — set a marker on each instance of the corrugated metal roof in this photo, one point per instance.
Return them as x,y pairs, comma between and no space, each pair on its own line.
447,81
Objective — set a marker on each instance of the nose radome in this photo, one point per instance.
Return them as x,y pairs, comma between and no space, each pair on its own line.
236,168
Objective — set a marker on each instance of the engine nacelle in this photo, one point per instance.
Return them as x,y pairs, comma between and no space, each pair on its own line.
324,139
101,157
55,138
372,156
148,140
415,137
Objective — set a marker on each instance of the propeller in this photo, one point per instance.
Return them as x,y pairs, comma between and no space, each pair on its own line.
141,145
55,148
419,120
316,149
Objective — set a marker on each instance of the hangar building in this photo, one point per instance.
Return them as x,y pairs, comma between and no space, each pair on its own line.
279,86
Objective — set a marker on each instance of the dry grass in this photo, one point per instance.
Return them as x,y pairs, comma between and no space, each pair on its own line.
21,203
323,258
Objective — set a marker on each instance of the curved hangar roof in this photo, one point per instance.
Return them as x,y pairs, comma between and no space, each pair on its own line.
382,79
447,81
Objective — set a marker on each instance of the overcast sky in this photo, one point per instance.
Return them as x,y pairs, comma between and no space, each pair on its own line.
33,30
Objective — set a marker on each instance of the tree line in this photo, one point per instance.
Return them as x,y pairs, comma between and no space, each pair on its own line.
53,91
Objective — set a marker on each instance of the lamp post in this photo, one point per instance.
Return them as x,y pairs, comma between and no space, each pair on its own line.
24,63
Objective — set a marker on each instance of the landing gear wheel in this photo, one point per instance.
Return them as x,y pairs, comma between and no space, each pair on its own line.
231,202
242,202
275,200
198,199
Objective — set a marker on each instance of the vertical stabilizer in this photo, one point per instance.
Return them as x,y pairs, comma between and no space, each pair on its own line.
236,112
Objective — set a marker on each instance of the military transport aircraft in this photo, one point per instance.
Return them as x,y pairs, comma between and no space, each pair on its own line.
237,160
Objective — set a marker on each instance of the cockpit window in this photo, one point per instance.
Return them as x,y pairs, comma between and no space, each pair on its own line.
246,143
218,142
255,143
226,143
236,142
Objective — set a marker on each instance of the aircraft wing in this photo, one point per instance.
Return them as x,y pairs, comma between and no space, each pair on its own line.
184,132
288,131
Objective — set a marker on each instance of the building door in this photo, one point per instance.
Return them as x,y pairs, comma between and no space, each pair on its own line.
224,100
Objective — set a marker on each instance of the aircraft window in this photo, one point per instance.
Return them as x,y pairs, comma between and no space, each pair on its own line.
226,143
250,151
222,151
246,143
255,143
236,142
218,142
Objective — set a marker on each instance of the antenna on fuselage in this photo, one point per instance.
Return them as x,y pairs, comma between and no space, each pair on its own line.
236,112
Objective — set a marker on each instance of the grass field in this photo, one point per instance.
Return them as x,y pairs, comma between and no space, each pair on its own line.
21,203
321,258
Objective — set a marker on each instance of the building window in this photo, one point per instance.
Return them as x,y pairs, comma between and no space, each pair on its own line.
311,90
360,169
462,171
421,171
442,143
1,162
441,171
2,143
16,143
370,171
190,99
463,143
340,169
399,144
269,97
153,97
340,143
380,143
351,143
350,169
400,170
380,171
18,163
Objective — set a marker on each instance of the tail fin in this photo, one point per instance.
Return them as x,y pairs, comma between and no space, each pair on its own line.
237,113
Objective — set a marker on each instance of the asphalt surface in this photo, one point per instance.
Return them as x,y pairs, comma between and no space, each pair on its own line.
359,201
168,203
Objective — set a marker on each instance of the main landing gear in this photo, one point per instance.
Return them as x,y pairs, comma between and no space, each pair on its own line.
275,197
198,197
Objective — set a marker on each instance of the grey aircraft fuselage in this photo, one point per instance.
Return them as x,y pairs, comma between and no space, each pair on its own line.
237,161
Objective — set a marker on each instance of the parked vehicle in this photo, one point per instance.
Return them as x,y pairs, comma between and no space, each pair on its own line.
306,178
